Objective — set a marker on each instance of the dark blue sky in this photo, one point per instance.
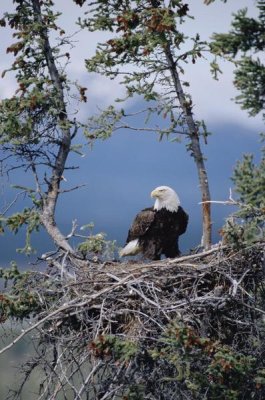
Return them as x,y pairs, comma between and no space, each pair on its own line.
120,174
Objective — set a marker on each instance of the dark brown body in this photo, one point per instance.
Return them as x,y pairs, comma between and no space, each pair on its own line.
158,232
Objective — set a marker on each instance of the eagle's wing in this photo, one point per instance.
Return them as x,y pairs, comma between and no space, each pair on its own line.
183,220
141,224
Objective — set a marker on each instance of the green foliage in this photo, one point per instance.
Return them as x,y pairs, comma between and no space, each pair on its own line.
207,366
30,218
260,378
18,306
250,81
96,246
18,302
249,180
11,273
142,32
247,224
111,348
27,216
36,99
245,40
135,392
246,34
228,371
203,367
103,125
108,346
22,116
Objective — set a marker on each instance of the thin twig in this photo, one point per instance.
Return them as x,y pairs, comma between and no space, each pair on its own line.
60,309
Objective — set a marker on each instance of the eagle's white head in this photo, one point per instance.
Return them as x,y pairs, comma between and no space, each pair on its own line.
165,198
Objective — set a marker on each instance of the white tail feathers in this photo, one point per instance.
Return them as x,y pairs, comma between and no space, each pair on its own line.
131,249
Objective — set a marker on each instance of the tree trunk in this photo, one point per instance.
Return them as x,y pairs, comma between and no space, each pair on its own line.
51,196
196,150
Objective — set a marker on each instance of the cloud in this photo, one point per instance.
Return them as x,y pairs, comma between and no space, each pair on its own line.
212,99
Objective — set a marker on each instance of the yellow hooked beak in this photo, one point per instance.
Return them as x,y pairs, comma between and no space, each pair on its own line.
155,193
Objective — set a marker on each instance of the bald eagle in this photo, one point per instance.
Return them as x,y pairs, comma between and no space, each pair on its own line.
155,230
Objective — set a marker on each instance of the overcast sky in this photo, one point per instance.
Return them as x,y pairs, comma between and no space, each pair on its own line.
212,98
121,172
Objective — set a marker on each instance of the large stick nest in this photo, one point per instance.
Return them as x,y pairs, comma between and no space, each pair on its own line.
216,293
